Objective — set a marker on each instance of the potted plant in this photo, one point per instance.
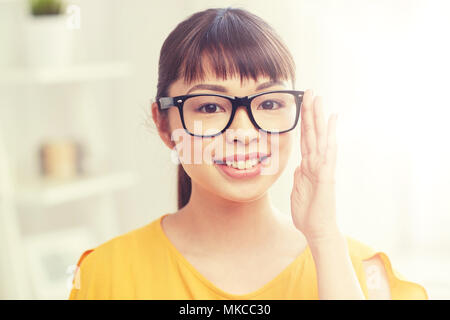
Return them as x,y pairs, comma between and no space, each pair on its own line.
46,7
49,40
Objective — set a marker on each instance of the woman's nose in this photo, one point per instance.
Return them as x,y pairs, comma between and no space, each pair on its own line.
242,128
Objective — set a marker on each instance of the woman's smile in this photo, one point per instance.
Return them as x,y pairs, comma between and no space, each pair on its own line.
241,166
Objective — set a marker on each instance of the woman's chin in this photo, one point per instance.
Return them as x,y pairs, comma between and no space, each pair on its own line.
242,197
243,192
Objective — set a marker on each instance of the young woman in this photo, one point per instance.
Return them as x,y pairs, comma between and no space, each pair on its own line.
227,107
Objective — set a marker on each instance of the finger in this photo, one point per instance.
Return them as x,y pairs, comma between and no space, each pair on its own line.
308,122
330,157
303,147
319,119
303,143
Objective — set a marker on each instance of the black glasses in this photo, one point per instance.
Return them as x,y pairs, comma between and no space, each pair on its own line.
208,115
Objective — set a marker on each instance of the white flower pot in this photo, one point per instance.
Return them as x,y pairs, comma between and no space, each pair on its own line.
49,42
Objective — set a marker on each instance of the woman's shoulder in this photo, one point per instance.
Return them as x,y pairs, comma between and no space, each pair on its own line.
359,249
126,246
374,266
108,269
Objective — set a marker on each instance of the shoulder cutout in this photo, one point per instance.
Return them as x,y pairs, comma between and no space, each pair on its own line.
377,279
76,274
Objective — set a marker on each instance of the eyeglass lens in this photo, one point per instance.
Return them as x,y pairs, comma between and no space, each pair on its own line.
209,115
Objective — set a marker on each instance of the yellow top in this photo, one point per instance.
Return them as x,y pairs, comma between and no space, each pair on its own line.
144,264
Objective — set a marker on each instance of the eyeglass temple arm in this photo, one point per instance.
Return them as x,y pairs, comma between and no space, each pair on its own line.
166,102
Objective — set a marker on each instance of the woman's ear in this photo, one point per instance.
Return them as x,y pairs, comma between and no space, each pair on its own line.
162,126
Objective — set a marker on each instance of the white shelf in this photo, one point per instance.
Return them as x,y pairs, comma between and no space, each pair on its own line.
51,192
74,73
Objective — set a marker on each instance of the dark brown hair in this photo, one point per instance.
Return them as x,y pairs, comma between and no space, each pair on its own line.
235,41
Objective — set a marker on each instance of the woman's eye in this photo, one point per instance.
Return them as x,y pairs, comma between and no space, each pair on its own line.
270,105
209,108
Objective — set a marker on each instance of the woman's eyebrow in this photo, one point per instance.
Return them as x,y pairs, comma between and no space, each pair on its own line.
212,87
269,84
219,88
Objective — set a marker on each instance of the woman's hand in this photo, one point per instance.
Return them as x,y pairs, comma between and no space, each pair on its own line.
313,204
313,200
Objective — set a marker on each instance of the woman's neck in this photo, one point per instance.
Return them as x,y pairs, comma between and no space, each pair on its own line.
221,224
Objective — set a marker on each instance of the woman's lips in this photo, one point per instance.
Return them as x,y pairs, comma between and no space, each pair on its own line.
242,173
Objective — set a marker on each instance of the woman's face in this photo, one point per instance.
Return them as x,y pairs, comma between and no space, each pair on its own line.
199,156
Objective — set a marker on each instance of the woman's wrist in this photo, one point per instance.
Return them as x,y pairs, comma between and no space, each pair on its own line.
336,277
326,233
325,238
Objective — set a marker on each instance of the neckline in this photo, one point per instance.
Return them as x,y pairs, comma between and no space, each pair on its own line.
211,285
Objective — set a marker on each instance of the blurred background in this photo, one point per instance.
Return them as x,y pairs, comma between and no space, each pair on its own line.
80,162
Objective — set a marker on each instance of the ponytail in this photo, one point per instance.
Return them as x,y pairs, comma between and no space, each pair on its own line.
184,187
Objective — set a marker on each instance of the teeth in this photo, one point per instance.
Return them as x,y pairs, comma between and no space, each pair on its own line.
241,164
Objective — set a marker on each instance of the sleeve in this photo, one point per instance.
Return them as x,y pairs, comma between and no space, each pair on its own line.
85,279
400,287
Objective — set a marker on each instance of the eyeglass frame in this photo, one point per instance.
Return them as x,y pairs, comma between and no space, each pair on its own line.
165,103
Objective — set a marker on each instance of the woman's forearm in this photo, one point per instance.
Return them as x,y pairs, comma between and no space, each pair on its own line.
336,277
